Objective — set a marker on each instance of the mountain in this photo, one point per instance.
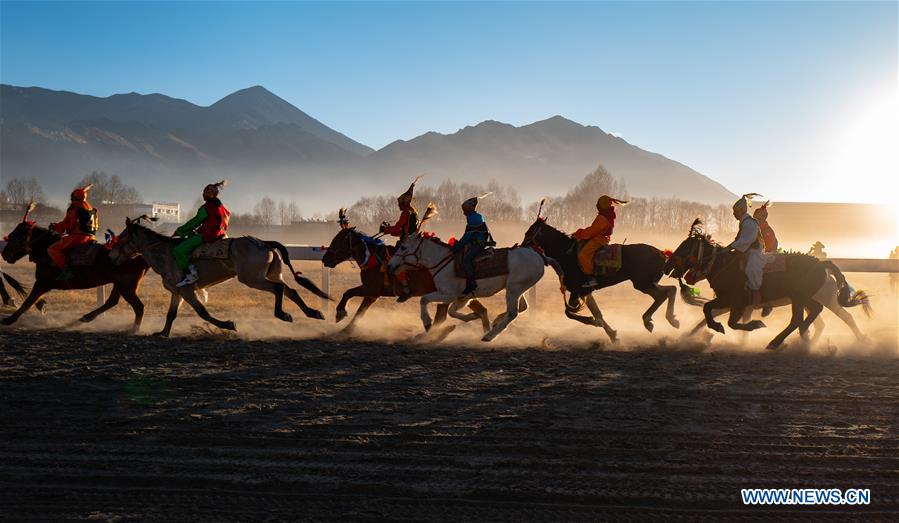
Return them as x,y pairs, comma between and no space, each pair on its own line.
543,158
169,148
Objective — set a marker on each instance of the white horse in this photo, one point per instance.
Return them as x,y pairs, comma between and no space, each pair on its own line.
525,269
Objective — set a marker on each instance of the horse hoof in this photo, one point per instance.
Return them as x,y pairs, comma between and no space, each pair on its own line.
315,315
756,324
286,317
85,319
229,325
649,326
717,327
674,322
161,334
341,314
772,346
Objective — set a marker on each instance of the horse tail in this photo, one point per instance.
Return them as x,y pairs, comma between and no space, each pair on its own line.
848,297
16,286
687,295
305,282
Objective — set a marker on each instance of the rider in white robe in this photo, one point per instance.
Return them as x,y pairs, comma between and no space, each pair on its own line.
748,243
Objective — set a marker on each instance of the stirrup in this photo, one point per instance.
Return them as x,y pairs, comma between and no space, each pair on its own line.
589,284
189,279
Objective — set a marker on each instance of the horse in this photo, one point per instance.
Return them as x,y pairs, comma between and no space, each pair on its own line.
255,263
641,264
29,239
699,257
350,244
420,252
16,286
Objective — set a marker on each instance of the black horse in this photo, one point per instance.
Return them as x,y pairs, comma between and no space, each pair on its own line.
698,258
641,264
29,239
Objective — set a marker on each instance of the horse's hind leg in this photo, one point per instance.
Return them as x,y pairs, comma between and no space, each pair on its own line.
111,302
795,322
137,306
511,313
482,313
36,292
814,309
847,318
745,312
190,296
307,310
4,295
367,302
355,292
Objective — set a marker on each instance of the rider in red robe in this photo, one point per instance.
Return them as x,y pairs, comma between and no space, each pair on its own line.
406,224
78,228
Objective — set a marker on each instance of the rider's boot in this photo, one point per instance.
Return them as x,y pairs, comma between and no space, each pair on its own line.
190,277
589,284
65,273
471,285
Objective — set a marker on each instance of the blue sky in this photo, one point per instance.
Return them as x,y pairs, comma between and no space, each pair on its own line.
793,100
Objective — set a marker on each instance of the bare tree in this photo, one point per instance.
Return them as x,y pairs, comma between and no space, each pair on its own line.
23,191
110,189
266,211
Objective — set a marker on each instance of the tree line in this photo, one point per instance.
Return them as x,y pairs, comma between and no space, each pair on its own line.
568,212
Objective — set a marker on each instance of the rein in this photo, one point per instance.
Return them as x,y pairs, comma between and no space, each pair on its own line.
439,266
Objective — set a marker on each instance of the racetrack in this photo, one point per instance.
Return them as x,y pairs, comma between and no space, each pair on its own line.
106,427
290,421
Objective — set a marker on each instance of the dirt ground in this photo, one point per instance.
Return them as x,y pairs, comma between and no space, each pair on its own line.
293,421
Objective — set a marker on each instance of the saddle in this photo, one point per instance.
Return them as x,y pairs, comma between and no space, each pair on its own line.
84,255
777,264
217,250
492,262
607,260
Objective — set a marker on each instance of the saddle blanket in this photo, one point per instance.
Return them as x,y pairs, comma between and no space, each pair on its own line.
219,250
84,255
607,259
778,263
496,264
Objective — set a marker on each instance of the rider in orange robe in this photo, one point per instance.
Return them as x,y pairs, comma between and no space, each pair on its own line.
406,224
599,233
78,227
761,216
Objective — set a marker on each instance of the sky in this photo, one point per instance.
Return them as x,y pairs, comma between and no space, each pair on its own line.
797,101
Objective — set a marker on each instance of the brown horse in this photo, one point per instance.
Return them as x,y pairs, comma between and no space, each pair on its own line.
350,244
29,239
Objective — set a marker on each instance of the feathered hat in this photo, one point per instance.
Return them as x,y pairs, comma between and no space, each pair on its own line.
214,188
430,212
745,202
473,201
605,201
762,212
80,194
406,197
342,219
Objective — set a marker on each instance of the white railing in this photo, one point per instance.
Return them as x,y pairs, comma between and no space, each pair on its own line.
313,253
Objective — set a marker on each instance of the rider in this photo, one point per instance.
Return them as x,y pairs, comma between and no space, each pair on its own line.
210,224
599,233
749,244
761,216
477,235
817,251
79,227
404,226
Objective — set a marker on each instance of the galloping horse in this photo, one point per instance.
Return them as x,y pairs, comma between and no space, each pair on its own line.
29,239
256,264
698,257
524,267
640,263
350,244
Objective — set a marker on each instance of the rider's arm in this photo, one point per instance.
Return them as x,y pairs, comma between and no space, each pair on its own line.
69,223
749,233
192,224
397,228
600,223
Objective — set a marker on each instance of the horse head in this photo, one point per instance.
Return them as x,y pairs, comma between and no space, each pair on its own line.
341,247
408,253
17,242
693,255
540,234
131,241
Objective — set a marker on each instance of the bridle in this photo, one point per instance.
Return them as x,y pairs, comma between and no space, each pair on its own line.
416,254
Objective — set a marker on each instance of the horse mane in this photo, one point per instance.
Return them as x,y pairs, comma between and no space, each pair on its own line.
153,234
560,235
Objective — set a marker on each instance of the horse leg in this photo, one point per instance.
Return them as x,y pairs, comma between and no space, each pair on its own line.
36,292
440,315
344,300
275,287
512,296
671,293
7,299
598,319
745,312
110,302
458,304
522,304
481,311
702,322
170,316
847,318
795,321
190,296
423,306
367,302
814,309
708,310
137,306
658,295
